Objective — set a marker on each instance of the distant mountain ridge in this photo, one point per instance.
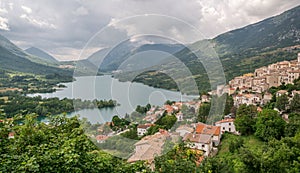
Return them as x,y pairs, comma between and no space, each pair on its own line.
40,53
12,58
240,51
275,32
111,59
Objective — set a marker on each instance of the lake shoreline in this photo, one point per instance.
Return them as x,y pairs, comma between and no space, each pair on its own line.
105,87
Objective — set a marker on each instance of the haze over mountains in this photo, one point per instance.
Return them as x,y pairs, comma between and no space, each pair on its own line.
275,32
12,58
111,61
40,53
240,51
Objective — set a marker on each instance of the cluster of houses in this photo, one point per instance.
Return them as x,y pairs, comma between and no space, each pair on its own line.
155,112
197,136
251,88
263,78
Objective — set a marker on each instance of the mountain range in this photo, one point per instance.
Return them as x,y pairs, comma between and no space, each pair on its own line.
41,54
240,51
12,58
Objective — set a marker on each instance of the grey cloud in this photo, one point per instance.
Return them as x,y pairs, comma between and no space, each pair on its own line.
64,27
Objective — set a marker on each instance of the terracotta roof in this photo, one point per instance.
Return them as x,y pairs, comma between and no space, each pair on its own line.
144,126
101,137
225,121
199,138
152,146
168,108
184,127
208,129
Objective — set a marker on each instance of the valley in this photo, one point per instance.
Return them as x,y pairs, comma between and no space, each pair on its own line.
227,103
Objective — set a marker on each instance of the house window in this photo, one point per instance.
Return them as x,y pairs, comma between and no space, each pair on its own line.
223,128
203,146
230,124
229,129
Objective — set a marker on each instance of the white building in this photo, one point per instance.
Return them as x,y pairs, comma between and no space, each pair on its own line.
143,128
227,125
213,131
179,116
200,142
248,99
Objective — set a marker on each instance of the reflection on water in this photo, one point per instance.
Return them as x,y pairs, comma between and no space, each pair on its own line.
127,94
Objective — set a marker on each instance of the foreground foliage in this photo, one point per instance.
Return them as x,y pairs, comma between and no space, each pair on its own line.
60,146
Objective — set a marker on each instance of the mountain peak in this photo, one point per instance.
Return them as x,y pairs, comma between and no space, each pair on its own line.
278,31
40,53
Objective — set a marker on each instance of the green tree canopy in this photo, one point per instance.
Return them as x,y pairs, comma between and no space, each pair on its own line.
60,146
203,112
282,102
293,126
295,104
245,119
269,125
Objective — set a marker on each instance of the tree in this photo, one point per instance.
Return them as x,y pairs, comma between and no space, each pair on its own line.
143,109
119,123
295,104
229,105
179,159
245,119
60,146
166,121
269,125
168,102
293,127
203,112
282,102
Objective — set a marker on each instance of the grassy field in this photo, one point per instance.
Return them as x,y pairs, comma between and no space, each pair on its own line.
251,142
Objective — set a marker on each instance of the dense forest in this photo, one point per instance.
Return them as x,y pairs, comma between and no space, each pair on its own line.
13,104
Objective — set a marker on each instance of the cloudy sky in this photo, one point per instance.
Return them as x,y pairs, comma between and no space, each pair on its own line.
63,27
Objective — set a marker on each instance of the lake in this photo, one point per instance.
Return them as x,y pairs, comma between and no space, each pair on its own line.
127,94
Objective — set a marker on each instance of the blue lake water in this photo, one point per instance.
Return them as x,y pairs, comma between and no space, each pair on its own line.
127,94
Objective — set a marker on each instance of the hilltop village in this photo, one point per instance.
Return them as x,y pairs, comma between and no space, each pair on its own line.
249,89
252,88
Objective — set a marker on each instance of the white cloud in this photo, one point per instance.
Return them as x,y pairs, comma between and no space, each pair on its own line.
4,24
3,11
37,22
26,9
64,53
75,22
11,5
